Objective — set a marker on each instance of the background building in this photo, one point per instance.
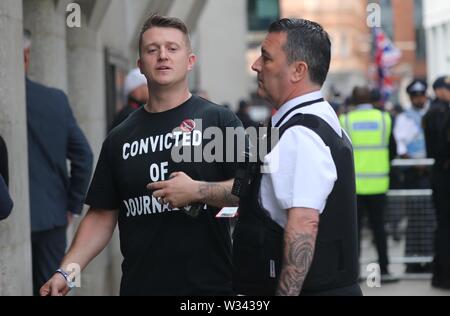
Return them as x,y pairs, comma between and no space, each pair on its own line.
345,21
437,26
352,53
402,20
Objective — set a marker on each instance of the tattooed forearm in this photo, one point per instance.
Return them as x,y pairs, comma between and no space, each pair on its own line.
218,194
298,255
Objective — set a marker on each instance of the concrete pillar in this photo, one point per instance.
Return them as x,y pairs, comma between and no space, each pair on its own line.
431,59
87,96
222,51
86,82
439,50
15,252
48,51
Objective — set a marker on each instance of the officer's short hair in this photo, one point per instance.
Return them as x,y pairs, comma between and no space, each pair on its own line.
361,95
307,41
442,83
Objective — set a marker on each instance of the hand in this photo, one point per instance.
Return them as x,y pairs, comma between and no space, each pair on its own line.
179,191
69,218
56,286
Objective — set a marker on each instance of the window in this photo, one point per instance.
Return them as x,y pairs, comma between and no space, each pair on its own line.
261,13
114,79
345,45
387,18
387,24
420,31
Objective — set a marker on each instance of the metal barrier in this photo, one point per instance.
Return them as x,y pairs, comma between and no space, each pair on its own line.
409,217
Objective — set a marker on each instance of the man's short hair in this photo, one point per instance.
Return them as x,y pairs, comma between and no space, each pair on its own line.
163,21
26,39
361,95
307,41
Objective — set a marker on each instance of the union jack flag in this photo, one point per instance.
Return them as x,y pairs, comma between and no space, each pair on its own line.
386,57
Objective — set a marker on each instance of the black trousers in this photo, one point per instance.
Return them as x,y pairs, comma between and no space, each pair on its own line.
48,249
352,290
441,199
374,206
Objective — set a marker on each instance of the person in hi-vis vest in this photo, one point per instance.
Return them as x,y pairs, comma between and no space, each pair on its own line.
370,130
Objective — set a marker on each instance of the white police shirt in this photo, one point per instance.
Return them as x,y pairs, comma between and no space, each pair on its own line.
405,131
303,172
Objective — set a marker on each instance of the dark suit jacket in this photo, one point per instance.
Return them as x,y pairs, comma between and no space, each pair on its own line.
4,161
6,203
54,137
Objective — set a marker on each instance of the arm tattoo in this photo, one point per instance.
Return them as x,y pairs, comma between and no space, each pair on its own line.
218,194
298,255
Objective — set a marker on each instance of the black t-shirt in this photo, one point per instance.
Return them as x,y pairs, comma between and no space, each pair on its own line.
166,252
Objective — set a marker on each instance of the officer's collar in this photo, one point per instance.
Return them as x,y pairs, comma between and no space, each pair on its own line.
294,102
365,106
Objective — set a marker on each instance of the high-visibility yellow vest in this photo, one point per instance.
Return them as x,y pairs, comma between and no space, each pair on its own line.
370,130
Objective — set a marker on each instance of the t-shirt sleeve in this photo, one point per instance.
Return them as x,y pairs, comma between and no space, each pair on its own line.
233,148
302,170
103,193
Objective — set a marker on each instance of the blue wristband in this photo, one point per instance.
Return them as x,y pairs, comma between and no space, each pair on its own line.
66,276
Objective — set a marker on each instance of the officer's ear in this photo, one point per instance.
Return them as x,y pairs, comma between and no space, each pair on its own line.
299,71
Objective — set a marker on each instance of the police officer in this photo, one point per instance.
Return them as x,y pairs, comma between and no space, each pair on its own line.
437,136
297,230
408,130
6,203
410,139
442,93
371,133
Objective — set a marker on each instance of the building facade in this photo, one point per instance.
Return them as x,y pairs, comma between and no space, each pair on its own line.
437,26
345,21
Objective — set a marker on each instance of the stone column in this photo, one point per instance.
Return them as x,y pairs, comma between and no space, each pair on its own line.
431,58
48,63
222,51
15,251
87,96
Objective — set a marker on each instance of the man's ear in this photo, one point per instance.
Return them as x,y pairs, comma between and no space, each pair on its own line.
26,58
139,64
300,71
192,61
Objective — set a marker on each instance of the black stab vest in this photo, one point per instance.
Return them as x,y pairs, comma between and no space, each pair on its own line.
258,240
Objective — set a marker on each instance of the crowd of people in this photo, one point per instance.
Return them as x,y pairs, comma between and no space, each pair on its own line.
299,224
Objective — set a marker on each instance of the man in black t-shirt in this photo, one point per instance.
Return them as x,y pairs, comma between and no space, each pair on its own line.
140,182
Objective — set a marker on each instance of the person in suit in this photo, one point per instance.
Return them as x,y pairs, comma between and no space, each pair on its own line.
55,196
4,161
6,203
437,138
